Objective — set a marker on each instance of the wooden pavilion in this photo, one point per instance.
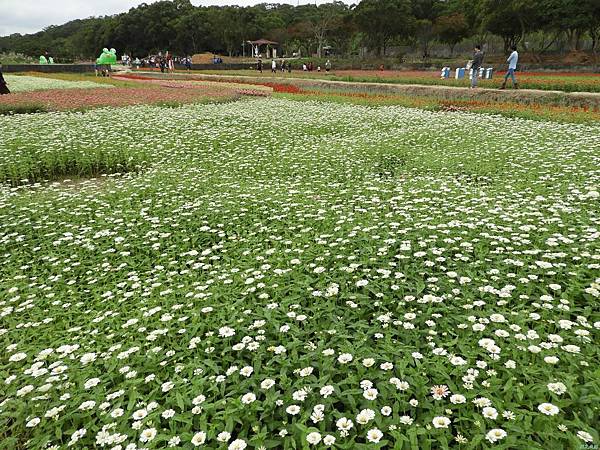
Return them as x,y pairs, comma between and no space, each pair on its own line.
270,48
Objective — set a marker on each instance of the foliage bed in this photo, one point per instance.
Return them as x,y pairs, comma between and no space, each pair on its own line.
25,83
532,111
302,275
124,93
566,82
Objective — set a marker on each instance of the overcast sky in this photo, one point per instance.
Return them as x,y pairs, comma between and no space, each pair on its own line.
29,16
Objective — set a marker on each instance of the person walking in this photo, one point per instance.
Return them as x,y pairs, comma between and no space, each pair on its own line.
512,61
3,87
274,66
477,61
170,65
259,65
327,66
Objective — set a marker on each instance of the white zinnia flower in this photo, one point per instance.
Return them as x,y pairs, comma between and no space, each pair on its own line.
87,358
374,435
365,416
267,383
17,357
344,358
557,388
406,420
549,409
223,436
441,422
313,438
326,391
33,422
386,411
92,382
292,410
370,394
139,414
328,440
489,412
457,399
238,444
344,424
246,371
585,436
167,386
495,435
248,398
148,434
168,413
199,439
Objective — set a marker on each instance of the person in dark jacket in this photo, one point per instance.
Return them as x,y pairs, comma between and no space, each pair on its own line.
3,87
477,62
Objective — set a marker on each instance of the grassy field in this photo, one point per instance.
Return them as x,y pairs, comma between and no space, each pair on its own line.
273,273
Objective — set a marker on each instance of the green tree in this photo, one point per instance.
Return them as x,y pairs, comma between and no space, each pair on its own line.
512,19
451,29
574,18
426,13
383,21
322,20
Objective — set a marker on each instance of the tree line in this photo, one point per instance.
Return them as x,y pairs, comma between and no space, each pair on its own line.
184,29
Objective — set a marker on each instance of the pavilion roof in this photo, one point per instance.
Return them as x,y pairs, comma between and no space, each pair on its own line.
263,42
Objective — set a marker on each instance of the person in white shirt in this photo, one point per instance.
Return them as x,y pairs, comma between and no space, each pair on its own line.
512,61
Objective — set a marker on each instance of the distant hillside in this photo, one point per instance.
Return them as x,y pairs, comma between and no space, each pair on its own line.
423,29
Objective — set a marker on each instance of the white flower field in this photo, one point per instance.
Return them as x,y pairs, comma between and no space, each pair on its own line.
288,275
26,83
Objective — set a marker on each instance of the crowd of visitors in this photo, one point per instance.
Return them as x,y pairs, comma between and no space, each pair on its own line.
286,66
166,62
309,67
